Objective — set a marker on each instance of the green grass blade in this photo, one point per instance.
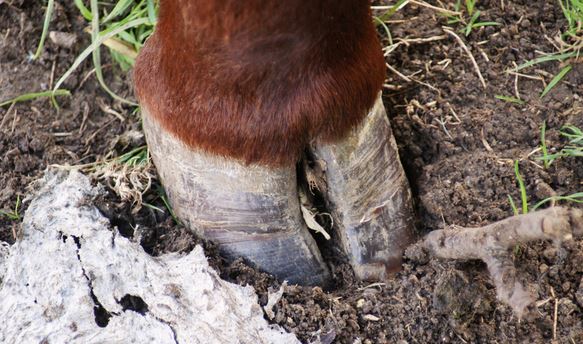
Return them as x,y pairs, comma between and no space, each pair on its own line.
471,23
385,27
574,134
554,57
389,13
31,96
543,144
43,36
510,99
95,44
83,10
97,54
470,5
118,9
480,24
512,205
151,11
556,80
574,198
522,188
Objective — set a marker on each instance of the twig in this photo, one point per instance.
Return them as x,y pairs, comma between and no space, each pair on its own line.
99,130
555,313
399,74
14,121
407,41
435,8
467,50
516,92
6,115
538,78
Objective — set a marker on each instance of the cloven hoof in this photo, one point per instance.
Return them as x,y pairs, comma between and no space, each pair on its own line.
254,212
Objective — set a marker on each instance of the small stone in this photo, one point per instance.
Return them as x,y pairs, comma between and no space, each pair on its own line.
370,317
63,39
525,24
550,253
566,286
543,268
360,303
553,272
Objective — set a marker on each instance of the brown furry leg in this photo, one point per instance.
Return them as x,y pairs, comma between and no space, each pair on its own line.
491,243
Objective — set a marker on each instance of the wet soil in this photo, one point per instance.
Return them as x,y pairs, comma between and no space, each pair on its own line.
458,144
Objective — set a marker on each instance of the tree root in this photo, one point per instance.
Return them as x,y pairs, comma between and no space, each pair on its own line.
491,243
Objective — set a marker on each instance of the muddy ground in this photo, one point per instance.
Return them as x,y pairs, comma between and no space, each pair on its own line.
457,143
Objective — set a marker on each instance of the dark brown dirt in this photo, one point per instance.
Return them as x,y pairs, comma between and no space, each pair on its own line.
461,171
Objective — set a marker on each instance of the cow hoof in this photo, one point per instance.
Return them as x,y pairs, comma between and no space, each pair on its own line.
250,211
254,211
368,196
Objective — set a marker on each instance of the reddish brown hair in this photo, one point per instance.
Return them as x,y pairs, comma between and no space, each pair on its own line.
256,80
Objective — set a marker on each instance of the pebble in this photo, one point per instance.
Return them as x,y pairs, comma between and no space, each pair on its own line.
370,317
63,39
550,253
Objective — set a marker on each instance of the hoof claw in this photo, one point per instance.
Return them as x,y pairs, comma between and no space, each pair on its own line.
254,211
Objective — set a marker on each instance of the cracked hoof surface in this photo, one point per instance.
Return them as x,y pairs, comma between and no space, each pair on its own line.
254,212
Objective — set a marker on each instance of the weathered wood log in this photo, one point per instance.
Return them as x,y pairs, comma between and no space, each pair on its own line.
72,279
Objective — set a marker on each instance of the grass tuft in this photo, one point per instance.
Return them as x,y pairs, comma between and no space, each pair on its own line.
473,14
574,147
43,36
124,29
128,175
570,43
14,214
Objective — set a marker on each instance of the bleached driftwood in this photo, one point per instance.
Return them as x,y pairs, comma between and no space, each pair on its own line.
70,271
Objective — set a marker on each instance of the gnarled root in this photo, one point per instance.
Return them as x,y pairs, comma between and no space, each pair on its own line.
491,243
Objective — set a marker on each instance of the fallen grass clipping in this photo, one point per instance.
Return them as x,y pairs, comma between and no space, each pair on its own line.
35,95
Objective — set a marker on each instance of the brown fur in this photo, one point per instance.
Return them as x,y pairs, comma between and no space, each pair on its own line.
256,80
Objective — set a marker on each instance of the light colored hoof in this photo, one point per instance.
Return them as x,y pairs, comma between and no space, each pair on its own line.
368,196
249,211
